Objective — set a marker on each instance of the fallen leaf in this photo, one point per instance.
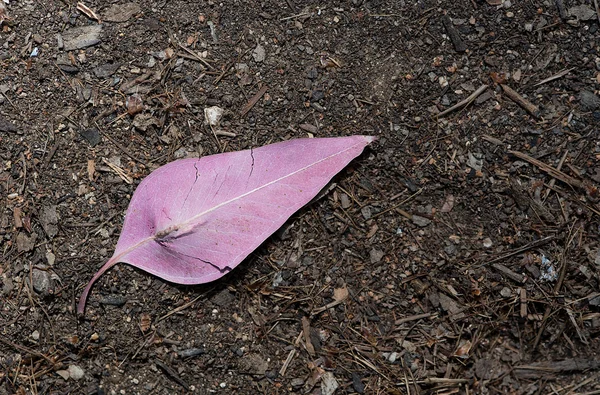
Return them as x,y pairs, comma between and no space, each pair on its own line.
340,294
194,220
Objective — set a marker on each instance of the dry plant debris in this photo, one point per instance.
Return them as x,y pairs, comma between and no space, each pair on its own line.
460,254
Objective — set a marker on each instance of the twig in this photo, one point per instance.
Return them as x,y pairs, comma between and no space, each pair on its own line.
557,75
295,16
441,380
413,318
195,56
548,169
597,9
223,74
553,180
26,349
172,374
521,101
287,362
50,154
464,102
291,5
557,287
398,205
252,102
533,244
122,148
178,309
120,172
523,298
509,273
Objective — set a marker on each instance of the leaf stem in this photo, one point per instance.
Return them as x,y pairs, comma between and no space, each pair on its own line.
82,300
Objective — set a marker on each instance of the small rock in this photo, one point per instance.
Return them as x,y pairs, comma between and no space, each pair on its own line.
328,384
181,153
75,372
345,200
106,70
475,162
113,300
487,369
582,12
309,128
63,373
317,95
143,121
213,115
366,212
376,255
8,286
25,243
50,257
487,242
49,220
190,352
223,298
420,221
41,281
589,100
259,54
6,126
92,136
297,382
506,292
121,12
253,364
81,37
357,383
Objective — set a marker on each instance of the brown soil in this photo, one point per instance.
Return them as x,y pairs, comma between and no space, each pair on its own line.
470,265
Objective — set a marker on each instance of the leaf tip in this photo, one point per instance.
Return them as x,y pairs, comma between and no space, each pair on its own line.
370,139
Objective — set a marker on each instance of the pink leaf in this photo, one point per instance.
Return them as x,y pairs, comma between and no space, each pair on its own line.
194,220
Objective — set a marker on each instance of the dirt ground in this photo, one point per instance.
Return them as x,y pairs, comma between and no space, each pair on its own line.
458,254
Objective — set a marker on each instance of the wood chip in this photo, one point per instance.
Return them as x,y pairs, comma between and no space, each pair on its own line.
306,330
459,44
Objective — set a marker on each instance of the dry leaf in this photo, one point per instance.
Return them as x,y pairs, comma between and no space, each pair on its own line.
463,350
340,294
